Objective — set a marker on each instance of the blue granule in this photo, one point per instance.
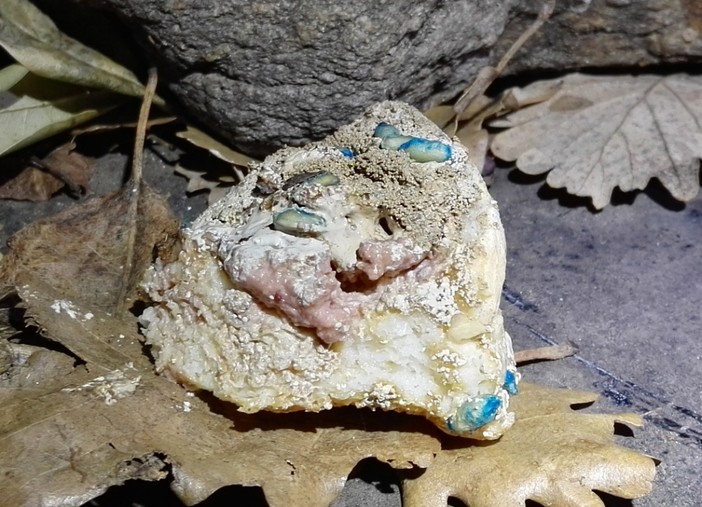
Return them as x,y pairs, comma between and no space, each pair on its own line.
475,413
510,384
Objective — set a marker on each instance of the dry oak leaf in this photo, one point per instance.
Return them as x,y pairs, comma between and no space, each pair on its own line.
552,455
67,437
601,132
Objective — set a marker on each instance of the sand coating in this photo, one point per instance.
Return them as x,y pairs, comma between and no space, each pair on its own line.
363,270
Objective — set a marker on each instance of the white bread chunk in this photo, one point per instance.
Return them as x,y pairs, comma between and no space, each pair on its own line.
365,270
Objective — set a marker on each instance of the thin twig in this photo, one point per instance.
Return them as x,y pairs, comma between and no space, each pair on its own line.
545,13
488,74
551,353
140,137
135,185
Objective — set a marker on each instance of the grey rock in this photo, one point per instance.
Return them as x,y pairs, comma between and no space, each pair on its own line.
607,33
269,72
283,72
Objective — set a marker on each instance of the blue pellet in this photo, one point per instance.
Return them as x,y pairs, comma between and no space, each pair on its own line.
510,384
423,150
295,220
346,152
384,130
418,149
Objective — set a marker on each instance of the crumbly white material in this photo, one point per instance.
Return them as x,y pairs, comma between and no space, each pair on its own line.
325,279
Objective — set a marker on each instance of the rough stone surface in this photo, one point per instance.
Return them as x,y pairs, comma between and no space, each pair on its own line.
272,72
606,33
283,72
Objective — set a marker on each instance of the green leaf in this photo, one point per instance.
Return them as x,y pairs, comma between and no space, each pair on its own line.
32,39
35,108
10,76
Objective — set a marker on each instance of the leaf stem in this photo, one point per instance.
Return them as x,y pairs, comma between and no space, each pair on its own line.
551,353
140,137
487,75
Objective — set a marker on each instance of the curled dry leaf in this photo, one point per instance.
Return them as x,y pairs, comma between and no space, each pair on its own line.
219,150
32,39
43,178
601,132
217,184
33,108
95,253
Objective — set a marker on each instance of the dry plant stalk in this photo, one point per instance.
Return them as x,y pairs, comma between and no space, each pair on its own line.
488,74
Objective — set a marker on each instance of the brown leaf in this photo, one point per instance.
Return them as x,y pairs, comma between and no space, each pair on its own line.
216,185
551,455
39,181
219,150
31,184
56,452
600,132
94,254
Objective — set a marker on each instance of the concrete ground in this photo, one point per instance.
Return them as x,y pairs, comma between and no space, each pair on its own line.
623,284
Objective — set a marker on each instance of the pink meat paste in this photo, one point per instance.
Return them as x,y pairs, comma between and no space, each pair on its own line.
305,287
